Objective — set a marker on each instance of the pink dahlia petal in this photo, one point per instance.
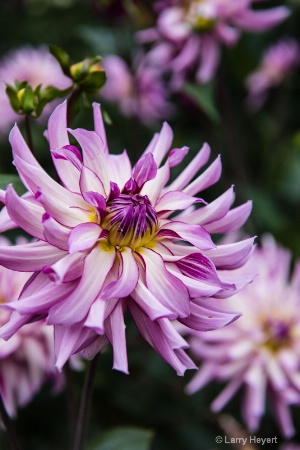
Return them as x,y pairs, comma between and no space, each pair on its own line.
194,166
194,234
152,332
175,200
55,233
99,312
77,305
144,170
206,179
214,211
177,155
50,295
261,20
83,237
150,304
210,59
231,256
94,156
29,257
233,220
125,284
99,125
120,168
204,318
154,187
201,268
162,144
69,340
24,213
90,182
164,285
115,331
67,269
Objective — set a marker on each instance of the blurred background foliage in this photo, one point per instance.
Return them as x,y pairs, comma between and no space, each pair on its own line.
261,156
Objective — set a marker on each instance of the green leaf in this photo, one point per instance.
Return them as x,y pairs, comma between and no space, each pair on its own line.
47,94
125,438
13,97
204,96
28,100
93,82
9,178
62,57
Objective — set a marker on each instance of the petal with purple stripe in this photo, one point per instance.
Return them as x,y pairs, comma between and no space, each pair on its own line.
129,273
29,257
195,234
168,289
83,237
76,306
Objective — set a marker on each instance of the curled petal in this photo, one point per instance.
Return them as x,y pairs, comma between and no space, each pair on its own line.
208,178
176,156
67,269
29,257
195,234
125,284
233,220
190,171
115,331
168,289
171,201
75,307
55,233
84,237
144,170
26,214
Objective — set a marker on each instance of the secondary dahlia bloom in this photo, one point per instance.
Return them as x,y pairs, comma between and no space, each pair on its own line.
277,63
189,34
140,92
27,359
34,65
106,243
260,351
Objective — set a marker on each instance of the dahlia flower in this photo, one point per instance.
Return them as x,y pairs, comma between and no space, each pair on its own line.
189,34
277,63
27,359
260,351
106,243
141,94
34,65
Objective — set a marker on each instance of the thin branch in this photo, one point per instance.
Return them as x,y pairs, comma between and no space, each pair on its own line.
85,402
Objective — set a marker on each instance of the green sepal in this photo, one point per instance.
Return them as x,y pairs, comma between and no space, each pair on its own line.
62,57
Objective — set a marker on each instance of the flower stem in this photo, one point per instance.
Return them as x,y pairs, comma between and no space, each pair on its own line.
71,399
28,133
85,402
72,107
7,423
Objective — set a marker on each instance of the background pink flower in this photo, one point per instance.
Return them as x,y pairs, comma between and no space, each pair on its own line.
27,359
277,63
139,92
189,34
260,351
34,65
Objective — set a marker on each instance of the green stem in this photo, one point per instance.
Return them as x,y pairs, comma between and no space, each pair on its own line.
85,403
28,133
7,423
71,111
71,399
